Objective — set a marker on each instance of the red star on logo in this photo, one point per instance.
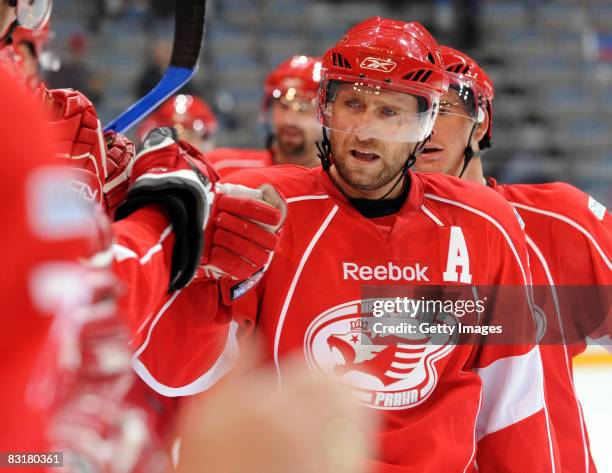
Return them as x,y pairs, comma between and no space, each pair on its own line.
355,338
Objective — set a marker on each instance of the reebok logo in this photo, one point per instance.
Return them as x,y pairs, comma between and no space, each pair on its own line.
378,64
387,272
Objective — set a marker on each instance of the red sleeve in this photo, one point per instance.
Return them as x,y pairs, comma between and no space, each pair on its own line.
574,233
182,349
590,234
143,258
513,414
180,346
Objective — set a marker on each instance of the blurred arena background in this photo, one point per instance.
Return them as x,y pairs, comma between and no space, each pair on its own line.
551,63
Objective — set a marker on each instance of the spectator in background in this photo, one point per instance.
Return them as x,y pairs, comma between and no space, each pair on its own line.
75,73
159,58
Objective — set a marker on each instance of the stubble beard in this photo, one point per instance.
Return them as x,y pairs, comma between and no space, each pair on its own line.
373,183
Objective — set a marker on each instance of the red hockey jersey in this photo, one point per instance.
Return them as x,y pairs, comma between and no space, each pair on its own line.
443,407
569,239
228,160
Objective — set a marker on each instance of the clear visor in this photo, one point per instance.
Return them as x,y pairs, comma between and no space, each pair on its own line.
462,99
33,14
293,110
371,110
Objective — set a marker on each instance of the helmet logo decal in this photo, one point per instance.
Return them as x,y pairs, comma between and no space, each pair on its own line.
378,64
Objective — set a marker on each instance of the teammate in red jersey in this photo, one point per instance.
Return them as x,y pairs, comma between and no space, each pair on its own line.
193,119
289,112
569,238
37,237
364,219
24,28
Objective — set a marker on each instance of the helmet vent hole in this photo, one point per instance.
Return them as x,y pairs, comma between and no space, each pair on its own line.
420,75
431,58
417,76
340,61
426,76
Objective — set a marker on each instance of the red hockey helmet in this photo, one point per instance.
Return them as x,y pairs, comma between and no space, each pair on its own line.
184,112
297,77
385,55
473,85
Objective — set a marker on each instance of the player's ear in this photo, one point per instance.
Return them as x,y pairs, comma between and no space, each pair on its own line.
481,129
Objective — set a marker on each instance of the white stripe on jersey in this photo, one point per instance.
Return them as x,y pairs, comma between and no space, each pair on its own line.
503,404
222,366
307,197
296,277
431,215
122,253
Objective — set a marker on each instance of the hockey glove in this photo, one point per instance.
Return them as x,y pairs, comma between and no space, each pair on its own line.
119,161
174,176
242,237
78,138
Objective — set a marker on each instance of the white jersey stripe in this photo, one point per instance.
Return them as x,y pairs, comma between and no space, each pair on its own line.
570,222
296,277
431,215
222,366
307,197
475,442
122,253
503,404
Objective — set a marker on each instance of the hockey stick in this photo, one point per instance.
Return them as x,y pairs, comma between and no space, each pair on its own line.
189,19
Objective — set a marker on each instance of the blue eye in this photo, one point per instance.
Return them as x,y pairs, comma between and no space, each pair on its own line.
353,103
388,112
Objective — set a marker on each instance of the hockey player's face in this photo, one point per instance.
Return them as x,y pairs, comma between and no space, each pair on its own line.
366,164
295,126
444,153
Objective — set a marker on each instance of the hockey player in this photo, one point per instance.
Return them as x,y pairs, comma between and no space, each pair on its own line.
24,27
32,240
289,114
364,218
569,238
193,119
155,255
64,350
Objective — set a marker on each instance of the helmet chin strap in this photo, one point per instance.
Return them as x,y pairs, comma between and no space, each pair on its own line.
325,151
468,153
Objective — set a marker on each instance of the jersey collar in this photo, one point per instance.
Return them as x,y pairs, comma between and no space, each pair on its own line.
411,206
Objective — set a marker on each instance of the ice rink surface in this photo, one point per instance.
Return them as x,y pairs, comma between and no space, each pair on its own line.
594,387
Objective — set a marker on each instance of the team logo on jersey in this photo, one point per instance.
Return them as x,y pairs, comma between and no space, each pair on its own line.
378,64
54,211
386,373
599,210
84,191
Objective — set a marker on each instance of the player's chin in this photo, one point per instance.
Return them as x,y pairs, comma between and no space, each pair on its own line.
360,178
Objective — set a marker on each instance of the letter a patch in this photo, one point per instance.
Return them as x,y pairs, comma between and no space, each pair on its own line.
458,261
